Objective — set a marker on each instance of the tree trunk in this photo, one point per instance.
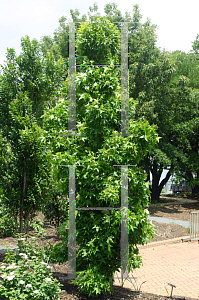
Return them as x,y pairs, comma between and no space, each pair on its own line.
157,186
16,223
155,193
195,189
189,178
21,218
22,199
27,222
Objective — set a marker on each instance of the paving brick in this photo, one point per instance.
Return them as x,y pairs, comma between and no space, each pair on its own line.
169,262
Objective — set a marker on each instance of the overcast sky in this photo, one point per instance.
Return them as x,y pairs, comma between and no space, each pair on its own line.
177,20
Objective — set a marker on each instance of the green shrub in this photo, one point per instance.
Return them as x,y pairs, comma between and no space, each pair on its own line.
7,224
25,275
59,252
37,225
56,209
99,147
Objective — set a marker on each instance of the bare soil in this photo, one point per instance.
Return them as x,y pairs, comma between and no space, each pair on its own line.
174,212
163,232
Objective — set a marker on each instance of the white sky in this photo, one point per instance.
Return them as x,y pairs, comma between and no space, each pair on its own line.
177,20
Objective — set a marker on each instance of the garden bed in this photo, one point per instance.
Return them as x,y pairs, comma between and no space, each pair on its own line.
163,232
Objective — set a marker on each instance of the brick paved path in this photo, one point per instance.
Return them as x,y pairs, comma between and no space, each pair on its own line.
166,262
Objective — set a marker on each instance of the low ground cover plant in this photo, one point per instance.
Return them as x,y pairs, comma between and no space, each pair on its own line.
27,273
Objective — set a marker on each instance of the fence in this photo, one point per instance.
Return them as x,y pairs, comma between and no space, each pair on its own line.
194,227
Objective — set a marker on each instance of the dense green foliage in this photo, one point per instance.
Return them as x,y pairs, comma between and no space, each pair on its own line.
100,41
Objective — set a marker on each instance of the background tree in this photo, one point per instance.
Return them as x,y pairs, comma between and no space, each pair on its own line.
150,72
171,103
184,108
28,86
151,95
153,77
59,43
186,64
195,45
25,169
